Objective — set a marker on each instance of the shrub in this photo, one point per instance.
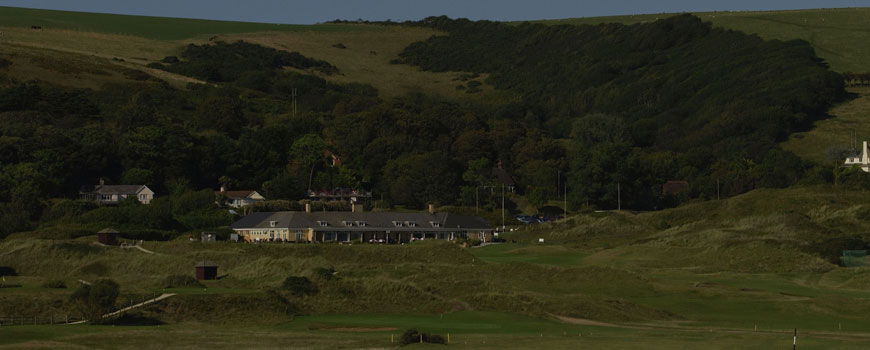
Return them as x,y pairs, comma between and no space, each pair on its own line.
411,336
59,284
8,271
299,286
170,59
96,300
175,281
324,273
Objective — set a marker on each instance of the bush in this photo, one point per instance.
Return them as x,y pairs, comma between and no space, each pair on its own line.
8,271
96,300
58,284
176,281
324,273
299,286
411,336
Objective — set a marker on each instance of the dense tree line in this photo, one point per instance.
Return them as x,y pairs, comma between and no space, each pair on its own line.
682,100
600,106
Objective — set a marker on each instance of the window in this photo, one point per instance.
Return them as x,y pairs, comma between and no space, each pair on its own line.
435,223
361,223
143,197
272,223
411,223
106,197
347,223
397,223
299,236
323,223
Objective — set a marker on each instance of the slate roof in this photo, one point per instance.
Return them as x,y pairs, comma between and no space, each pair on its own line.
112,189
374,221
241,194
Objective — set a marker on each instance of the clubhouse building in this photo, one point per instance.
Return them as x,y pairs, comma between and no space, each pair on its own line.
359,227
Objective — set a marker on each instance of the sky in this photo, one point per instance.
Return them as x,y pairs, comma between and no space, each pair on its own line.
316,11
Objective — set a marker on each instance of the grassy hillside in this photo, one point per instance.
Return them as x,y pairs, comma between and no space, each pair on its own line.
833,138
838,35
140,40
160,28
711,271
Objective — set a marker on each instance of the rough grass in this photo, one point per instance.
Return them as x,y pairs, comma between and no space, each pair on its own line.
838,35
704,272
829,137
161,28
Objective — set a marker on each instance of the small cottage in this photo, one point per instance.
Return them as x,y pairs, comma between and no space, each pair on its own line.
206,270
107,236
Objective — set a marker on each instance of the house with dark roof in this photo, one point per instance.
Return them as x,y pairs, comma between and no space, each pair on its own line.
114,194
240,198
504,177
359,227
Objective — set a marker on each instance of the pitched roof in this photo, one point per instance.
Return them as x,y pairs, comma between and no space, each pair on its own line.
237,194
113,189
373,221
504,177
206,264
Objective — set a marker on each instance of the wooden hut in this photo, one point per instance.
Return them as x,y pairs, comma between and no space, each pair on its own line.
108,236
206,270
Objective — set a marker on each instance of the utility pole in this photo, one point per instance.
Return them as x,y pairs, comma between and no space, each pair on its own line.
618,197
717,189
293,93
476,199
502,206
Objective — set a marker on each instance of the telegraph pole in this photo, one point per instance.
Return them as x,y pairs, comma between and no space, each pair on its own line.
294,102
618,197
502,206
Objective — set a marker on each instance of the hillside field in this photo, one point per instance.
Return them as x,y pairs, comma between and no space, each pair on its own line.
741,272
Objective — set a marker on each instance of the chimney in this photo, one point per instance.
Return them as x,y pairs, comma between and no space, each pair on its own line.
223,189
103,182
431,208
356,208
308,208
865,158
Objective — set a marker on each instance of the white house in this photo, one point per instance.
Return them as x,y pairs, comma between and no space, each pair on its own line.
238,199
113,194
862,160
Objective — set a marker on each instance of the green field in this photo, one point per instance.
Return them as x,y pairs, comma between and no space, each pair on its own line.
161,28
744,277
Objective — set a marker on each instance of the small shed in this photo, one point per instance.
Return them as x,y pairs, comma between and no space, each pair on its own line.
108,236
209,237
206,270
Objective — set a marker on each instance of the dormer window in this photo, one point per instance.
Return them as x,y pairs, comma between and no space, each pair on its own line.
272,223
435,223
361,223
347,223
411,223
397,223
323,223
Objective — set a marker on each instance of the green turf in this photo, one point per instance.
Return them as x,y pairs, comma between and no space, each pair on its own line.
163,28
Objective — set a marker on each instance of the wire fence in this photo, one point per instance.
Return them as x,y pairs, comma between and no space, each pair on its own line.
37,320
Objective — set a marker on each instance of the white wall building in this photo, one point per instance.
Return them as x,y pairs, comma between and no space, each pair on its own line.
862,159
